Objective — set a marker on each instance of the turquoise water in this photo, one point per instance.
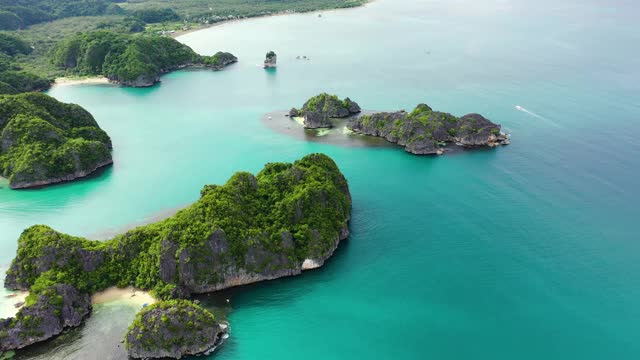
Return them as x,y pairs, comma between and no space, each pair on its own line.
524,252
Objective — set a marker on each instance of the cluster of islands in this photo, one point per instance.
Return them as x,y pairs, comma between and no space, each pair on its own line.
421,131
288,218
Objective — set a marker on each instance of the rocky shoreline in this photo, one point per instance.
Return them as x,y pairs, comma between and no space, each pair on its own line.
146,81
422,131
288,218
70,177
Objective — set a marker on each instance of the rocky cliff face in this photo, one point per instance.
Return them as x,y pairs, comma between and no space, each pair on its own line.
206,269
57,307
318,111
288,218
19,183
265,226
424,131
216,62
173,329
270,60
43,141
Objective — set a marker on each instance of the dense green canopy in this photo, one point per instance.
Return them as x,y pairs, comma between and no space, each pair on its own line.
274,220
12,79
16,14
128,59
43,139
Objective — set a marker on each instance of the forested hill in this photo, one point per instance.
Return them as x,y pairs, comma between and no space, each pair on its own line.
133,60
18,14
12,79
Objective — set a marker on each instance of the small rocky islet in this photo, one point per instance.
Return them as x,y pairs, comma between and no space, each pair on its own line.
173,329
421,131
288,218
318,111
44,141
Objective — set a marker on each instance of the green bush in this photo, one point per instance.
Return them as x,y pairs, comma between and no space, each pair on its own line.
124,57
43,139
308,199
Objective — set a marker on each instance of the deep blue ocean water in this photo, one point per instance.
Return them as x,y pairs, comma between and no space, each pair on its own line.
523,252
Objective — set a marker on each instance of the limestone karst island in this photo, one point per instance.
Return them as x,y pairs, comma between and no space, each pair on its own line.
319,179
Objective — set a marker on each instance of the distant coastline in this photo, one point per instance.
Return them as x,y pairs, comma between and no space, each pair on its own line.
179,33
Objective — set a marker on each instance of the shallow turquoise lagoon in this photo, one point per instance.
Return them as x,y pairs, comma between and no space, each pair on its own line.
528,251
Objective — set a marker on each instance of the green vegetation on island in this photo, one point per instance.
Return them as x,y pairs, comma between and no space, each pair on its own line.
132,60
18,14
287,218
424,131
318,110
173,329
45,23
44,141
13,79
49,309
251,228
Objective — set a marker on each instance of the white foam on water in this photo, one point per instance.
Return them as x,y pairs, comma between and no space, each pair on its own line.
529,112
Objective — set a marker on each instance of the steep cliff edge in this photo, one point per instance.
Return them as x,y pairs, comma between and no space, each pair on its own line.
49,310
424,131
318,110
173,329
286,219
44,141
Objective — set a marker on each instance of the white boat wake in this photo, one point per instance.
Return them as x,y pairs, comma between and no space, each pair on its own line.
520,108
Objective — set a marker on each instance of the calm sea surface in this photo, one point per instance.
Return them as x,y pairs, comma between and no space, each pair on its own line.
529,251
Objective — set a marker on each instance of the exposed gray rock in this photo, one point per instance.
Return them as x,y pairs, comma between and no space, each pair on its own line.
318,110
57,307
19,182
270,60
424,131
174,329
219,61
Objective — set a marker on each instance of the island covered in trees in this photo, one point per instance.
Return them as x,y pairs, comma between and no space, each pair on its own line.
130,60
286,219
421,131
44,141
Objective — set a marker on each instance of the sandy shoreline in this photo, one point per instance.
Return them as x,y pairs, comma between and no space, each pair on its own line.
66,81
180,33
13,298
131,294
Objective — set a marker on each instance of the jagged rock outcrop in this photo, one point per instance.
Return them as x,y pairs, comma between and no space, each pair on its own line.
424,131
173,329
318,111
270,60
56,307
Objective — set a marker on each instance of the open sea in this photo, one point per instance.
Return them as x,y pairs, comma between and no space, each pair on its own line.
529,251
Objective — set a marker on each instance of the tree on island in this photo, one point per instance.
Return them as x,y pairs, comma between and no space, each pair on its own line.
270,60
